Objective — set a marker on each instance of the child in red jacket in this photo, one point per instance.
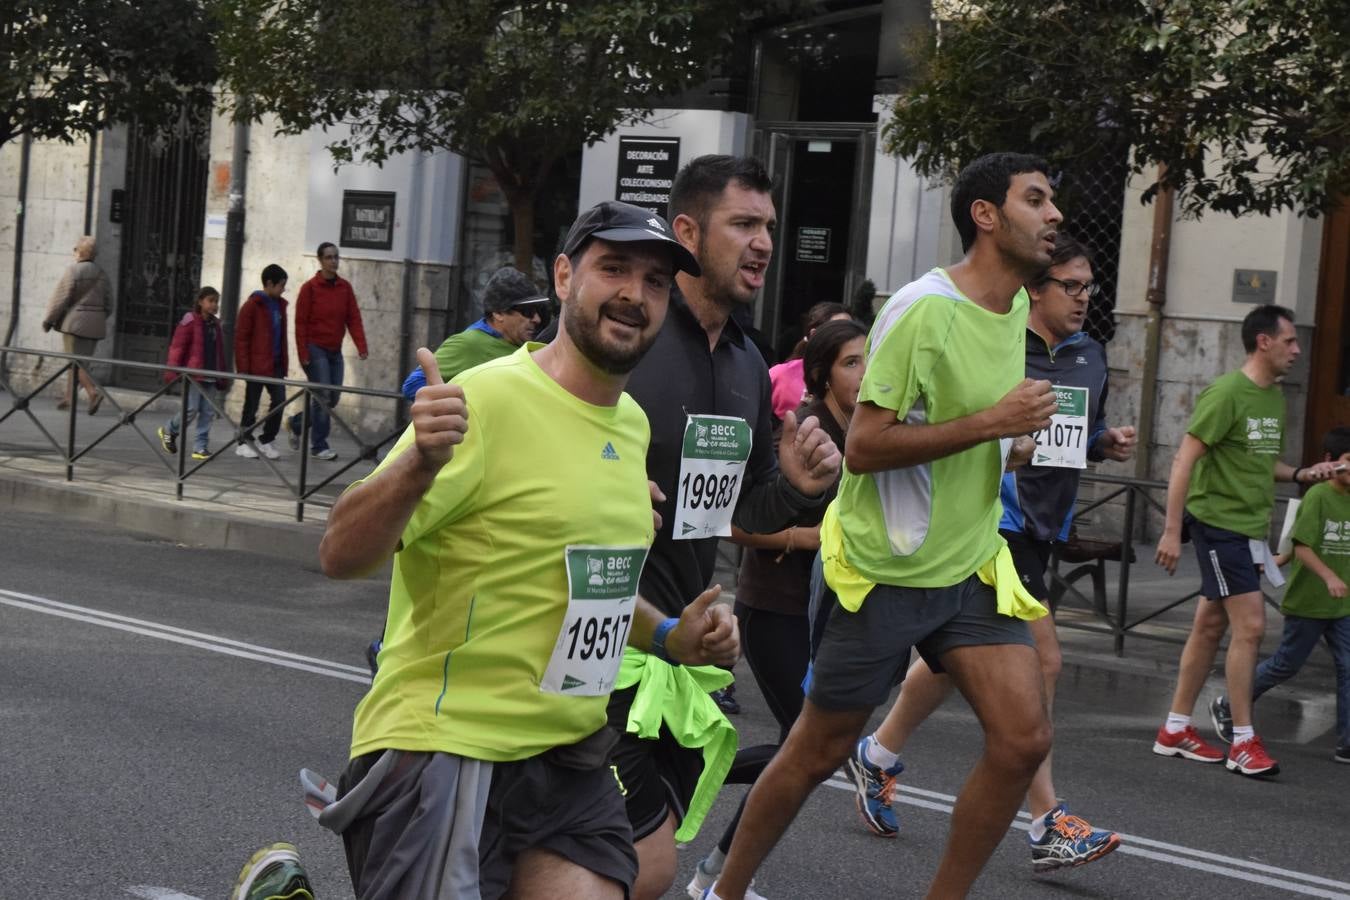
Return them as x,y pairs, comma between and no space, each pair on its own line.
260,349
197,344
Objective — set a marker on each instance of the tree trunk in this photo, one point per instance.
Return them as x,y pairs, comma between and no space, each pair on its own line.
522,213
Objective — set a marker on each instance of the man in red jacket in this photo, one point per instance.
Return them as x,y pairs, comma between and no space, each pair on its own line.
324,312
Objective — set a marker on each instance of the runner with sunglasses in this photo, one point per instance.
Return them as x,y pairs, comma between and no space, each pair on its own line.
514,311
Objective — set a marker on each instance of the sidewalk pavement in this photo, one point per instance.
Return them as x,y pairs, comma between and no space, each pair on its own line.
128,481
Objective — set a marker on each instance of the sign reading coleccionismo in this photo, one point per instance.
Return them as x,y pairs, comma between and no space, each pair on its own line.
647,168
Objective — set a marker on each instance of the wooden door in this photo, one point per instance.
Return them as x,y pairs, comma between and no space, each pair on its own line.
1329,368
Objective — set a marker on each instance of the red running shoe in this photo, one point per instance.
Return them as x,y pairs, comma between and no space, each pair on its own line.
1250,758
1187,744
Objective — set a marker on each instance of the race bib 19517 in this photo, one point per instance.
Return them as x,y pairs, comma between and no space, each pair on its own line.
712,469
602,586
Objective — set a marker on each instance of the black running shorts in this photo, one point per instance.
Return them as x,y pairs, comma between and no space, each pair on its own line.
864,654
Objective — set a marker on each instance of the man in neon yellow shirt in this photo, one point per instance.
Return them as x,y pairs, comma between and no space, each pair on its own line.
480,756
914,530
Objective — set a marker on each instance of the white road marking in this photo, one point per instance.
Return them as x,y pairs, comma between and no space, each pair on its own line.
1133,845
200,640
1174,854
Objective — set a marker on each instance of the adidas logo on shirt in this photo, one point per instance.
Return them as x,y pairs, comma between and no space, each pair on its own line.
609,452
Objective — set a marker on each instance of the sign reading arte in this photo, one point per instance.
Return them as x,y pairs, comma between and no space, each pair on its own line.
647,168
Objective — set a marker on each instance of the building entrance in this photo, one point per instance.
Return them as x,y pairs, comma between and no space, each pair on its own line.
824,177
1329,368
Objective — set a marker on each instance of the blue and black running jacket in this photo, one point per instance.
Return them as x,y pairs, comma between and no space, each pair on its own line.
1039,500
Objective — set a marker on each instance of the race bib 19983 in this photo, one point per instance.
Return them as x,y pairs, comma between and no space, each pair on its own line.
712,469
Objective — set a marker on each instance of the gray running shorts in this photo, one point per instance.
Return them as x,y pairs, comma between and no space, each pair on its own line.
863,654
543,802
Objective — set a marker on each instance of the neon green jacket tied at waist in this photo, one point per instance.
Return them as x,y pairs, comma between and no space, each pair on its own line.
678,697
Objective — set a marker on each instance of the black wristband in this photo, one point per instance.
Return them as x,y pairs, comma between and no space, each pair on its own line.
1294,477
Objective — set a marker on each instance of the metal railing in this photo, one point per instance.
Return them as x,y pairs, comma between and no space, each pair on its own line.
183,468
1138,497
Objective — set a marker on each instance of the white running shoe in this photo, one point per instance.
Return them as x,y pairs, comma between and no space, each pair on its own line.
268,450
702,883
245,450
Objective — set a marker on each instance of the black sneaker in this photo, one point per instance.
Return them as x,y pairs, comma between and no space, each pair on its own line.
1222,718
1342,755
726,700
167,441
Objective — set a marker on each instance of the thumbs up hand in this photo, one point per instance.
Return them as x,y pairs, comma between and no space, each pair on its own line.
440,417
807,457
707,633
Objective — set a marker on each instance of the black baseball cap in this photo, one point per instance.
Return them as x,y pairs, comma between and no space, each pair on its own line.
508,288
622,223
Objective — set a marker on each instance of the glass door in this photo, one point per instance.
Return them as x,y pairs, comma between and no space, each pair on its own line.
823,177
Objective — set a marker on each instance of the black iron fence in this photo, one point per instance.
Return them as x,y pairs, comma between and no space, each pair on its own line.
1129,501
73,448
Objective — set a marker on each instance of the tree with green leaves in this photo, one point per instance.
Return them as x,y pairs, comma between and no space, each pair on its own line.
1242,102
73,67
513,84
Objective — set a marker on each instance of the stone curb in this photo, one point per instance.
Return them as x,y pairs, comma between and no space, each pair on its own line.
1300,711
184,521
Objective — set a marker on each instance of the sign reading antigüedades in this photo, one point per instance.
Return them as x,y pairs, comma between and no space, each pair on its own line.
647,168
367,220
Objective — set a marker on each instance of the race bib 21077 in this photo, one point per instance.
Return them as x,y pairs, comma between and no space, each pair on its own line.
1063,443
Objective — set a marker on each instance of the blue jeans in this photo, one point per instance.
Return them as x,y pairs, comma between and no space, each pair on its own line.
1300,637
199,408
325,367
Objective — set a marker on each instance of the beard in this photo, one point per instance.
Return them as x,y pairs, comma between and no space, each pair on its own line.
1023,252
719,286
610,357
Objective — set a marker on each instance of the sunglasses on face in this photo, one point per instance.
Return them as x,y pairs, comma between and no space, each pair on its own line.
538,311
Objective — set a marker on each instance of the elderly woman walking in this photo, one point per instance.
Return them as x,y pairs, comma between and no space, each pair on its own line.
79,310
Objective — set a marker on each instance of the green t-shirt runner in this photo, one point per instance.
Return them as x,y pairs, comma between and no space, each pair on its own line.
471,347
480,586
1322,524
1233,483
933,355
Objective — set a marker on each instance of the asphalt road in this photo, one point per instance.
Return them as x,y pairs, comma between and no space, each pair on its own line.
157,701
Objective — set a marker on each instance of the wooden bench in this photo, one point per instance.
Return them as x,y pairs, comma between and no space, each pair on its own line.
1089,557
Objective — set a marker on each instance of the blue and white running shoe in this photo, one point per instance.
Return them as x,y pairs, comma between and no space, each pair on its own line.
876,789
1069,841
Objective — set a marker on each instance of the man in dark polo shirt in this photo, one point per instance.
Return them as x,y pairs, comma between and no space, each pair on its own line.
705,389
